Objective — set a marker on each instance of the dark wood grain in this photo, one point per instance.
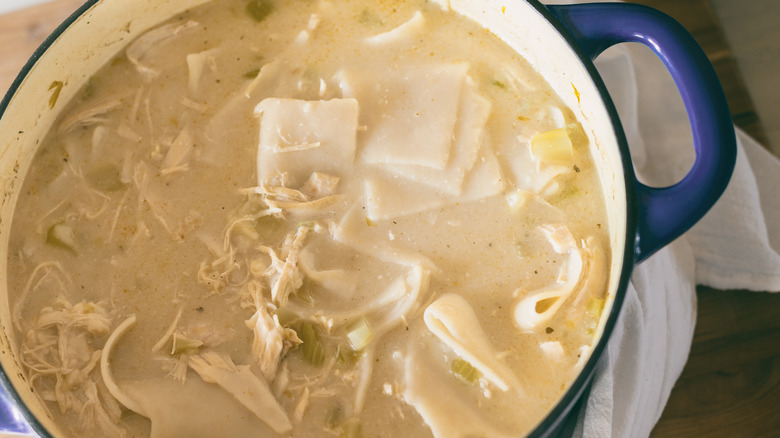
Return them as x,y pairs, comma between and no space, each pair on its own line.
730,386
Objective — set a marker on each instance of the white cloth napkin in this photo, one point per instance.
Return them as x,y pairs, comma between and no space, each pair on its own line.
733,247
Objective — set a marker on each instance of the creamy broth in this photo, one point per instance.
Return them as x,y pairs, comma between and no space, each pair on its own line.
309,218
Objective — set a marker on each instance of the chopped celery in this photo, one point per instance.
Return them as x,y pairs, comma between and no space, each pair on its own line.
464,372
259,9
552,146
61,235
312,348
595,306
183,343
359,334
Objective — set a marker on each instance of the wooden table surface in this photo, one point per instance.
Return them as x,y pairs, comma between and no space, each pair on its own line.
730,386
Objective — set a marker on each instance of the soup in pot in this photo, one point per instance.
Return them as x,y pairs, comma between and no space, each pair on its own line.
309,218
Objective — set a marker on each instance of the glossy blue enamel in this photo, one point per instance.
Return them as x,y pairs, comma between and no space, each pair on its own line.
666,213
11,420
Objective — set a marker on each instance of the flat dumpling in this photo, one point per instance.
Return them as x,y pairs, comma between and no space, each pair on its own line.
178,409
388,196
409,114
468,136
300,137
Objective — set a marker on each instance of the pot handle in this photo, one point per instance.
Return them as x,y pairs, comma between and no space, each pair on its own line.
666,213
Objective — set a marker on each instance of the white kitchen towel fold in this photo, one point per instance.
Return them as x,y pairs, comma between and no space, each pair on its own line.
733,247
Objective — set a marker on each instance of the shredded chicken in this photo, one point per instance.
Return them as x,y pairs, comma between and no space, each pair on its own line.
316,194
61,353
45,276
168,333
305,207
271,340
286,275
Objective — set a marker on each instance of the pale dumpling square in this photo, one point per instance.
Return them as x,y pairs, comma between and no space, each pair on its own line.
300,137
409,114
473,113
389,196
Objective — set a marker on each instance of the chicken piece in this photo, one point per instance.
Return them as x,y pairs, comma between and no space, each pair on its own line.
61,353
85,315
271,340
290,277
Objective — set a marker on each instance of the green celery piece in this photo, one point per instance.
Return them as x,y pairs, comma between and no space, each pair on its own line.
312,348
359,334
259,9
464,371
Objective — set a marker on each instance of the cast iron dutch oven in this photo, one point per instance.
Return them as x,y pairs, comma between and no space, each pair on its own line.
559,41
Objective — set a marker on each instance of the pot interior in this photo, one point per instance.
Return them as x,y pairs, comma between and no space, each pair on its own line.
74,55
